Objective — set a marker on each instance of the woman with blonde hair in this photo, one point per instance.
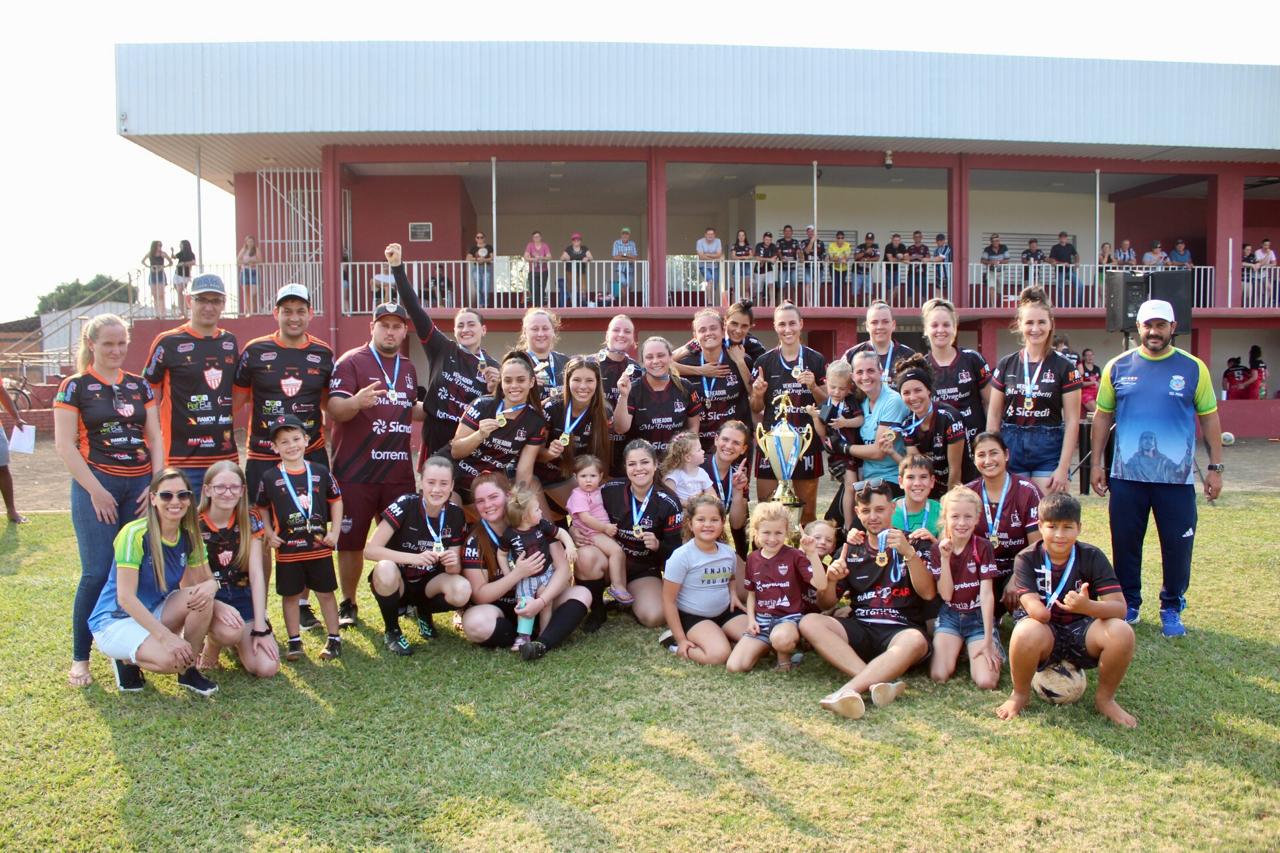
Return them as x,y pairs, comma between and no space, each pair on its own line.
157,602
539,332
107,432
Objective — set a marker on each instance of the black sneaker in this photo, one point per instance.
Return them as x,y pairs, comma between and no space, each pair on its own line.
129,677
667,640
348,613
306,619
532,650
294,652
397,643
195,681
332,649
595,620
426,626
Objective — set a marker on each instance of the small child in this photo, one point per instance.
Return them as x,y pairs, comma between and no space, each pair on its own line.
302,498
1074,606
836,424
777,577
917,514
965,566
591,521
528,532
682,468
825,536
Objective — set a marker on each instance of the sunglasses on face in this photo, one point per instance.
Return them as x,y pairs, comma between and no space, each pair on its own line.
170,497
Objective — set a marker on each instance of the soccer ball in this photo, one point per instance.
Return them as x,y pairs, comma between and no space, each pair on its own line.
1061,683
1228,439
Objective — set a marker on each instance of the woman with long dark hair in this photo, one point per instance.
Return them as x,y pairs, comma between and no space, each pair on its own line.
502,432
577,424
157,260
1011,506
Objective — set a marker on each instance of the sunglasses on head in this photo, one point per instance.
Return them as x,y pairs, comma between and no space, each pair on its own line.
169,497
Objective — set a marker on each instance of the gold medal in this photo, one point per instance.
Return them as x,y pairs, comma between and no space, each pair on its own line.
882,558
826,561
564,439
437,547
995,540
637,531
796,371
502,419
1029,404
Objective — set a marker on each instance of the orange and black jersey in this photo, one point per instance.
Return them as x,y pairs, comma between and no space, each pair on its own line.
112,431
285,380
222,544
194,376
301,524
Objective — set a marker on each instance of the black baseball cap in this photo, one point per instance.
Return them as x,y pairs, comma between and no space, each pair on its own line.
390,309
285,422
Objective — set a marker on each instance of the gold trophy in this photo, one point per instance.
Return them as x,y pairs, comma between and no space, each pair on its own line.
784,446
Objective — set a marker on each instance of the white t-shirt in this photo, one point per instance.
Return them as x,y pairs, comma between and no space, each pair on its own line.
686,485
703,578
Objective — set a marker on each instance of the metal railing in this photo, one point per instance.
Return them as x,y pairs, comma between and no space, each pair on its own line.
507,283
1259,287
1068,285
251,290
821,284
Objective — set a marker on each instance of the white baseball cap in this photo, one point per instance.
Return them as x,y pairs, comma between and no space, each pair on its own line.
293,291
1155,309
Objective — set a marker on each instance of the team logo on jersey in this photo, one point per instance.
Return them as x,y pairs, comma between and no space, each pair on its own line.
1177,382
1048,376
213,377
379,426
228,345
964,376
267,356
313,358
124,409
290,385
224,558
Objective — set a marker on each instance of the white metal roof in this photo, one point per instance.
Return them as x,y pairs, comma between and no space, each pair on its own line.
246,104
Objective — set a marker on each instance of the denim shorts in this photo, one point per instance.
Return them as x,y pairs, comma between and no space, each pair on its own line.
1033,450
239,597
768,623
121,638
965,625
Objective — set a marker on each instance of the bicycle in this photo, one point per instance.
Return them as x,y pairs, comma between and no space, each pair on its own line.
19,393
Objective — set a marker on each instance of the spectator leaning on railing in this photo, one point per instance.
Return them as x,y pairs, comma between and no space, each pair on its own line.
710,252
625,253
895,252
766,258
815,252
839,252
481,260
1126,254
1156,256
1181,255
1064,257
788,257
741,252
942,255
1106,257
917,255
868,253
1031,255
575,255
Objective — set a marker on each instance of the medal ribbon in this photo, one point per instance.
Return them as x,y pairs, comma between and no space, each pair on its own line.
493,537
915,422
799,361
568,412
725,493
1066,573
1031,382
549,364
709,383
906,516
436,534
513,409
392,379
993,526
888,362
297,502
637,510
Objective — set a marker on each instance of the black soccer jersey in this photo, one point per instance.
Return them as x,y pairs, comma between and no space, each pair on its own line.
285,380
581,438
660,515
947,429
960,384
501,450
1041,384
884,594
898,352
658,416
195,376
778,373
724,398
416,531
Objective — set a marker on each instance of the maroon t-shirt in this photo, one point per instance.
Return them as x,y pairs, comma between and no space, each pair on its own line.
779,582
374,446
974,564
1019,517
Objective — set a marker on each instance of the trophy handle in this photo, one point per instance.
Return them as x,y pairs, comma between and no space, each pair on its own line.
806,438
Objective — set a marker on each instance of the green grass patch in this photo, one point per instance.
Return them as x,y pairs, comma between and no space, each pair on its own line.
612,743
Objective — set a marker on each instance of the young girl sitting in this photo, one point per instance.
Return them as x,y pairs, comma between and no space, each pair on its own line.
527,533
777,577
682,468
836,424
591,521
965,566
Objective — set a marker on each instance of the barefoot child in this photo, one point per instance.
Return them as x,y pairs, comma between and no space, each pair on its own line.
301,499
586,508
682,471
917,514
836,424
527,533
965,567
1075,612
777,576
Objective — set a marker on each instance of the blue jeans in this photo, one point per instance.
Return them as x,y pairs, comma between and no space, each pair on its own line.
709,271
1068,297
195,477
1033,450
1174,506
97,548
482,279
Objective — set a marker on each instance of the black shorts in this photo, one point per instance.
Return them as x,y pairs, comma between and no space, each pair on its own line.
871,639
636,570
415,591
255,468
362,503
688,620
1069,644
740,542
315,574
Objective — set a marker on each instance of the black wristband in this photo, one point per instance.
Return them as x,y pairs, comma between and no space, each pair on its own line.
266,633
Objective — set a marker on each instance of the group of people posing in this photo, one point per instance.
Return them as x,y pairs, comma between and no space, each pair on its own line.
548,484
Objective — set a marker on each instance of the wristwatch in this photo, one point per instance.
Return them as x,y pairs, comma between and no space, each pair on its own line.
1217,467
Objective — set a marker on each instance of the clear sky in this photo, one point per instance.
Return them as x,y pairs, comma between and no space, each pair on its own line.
81,200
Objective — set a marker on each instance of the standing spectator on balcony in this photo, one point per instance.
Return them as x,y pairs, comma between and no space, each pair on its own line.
815,252
155,260
767,261
247,261
942,256
710,253
839,252
536,255
994,255
184,259
576,255
1031,256
917,255
1126,255
895,252
1265,256
1265,275
741,251
868,253
789,250
880,328
624,271
481,265
1155,257
1181,255
1065,258
1248,274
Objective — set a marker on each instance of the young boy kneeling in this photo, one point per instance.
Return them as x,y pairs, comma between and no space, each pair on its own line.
1075,612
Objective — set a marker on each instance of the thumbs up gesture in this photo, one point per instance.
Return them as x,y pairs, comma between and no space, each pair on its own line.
1077,600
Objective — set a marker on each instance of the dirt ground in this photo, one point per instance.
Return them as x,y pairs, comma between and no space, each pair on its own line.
42,483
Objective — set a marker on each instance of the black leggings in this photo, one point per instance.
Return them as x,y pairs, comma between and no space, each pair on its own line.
564,619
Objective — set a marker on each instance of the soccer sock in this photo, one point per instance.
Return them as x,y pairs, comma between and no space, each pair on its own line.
564,619
504,634
438,604
389,606
596,588
334,638
297,639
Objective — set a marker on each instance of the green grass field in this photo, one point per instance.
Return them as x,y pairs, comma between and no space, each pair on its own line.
612,743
